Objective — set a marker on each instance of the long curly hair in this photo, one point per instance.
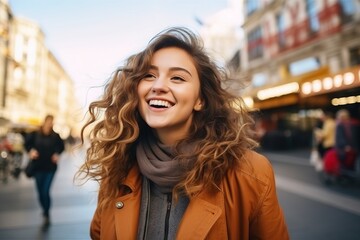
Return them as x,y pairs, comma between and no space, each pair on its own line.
220,133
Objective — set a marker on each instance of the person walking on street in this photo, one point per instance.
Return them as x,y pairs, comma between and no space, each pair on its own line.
44,148
173,152
346,137
326,134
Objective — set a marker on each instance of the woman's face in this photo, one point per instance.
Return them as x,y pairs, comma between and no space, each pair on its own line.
47,126
169,94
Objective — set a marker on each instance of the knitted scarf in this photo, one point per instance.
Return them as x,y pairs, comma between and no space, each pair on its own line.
156,162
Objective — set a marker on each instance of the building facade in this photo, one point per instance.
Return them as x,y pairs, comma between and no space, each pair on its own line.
5,23
301,56
35,83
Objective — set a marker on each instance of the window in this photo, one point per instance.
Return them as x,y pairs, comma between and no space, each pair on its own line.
354,56
304,66
252,6
312,15
255,44
259,79
280,23
347,10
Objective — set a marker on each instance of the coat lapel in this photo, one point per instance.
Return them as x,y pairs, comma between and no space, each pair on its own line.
127,207
203,212
127,218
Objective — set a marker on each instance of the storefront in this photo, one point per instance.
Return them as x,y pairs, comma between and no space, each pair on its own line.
288,111
334,91
276,112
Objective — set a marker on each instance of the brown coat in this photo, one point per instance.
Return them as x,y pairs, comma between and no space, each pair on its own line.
244,207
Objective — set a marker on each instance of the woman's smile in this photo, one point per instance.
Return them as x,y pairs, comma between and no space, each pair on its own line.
160,104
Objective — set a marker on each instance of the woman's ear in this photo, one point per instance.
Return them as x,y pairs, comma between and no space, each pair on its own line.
198,106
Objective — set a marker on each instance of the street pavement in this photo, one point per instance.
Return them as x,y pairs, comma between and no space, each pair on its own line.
312,210
72,205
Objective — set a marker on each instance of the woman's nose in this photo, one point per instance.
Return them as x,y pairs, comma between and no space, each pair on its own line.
159,85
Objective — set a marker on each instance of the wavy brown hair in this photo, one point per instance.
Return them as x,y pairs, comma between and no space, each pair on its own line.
220,133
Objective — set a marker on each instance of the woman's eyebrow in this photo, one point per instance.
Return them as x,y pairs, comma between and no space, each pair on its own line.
180,69
172,69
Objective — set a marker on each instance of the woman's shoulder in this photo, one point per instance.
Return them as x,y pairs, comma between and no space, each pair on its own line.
255,166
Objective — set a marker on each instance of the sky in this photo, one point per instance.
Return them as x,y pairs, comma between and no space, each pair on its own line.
90,38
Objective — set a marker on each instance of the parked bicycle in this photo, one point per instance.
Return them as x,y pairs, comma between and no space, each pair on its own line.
5,158
11,155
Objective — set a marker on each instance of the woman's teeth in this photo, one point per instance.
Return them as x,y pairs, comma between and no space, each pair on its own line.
159,103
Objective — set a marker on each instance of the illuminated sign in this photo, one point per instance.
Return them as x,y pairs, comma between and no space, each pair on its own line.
336,82
278,91
345,100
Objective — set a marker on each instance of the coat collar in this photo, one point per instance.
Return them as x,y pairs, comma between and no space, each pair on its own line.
203,212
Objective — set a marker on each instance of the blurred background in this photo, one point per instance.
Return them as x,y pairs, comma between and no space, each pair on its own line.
290,60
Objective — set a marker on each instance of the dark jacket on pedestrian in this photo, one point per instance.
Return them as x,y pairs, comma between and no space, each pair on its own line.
46,145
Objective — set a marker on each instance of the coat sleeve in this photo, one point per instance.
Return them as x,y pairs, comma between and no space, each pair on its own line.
340,138
59,143
269,222
30,141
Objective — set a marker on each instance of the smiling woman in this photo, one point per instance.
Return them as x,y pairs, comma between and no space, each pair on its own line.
173,154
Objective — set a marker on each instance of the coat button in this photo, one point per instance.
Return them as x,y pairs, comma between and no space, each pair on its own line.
119,205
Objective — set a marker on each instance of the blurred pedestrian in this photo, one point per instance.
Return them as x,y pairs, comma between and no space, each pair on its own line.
44,148
317,147
16,140
346,137
70,142
172,153
326,134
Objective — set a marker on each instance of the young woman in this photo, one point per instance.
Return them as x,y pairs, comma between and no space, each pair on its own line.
171,150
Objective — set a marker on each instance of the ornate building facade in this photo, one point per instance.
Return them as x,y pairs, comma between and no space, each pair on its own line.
35,83
302,57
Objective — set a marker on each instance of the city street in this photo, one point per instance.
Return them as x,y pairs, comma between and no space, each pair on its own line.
312,210
293,66
72,206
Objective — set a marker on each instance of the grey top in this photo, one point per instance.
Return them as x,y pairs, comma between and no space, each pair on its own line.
153,212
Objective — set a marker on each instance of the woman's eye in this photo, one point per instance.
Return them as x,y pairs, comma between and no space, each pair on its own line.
149,76
178,78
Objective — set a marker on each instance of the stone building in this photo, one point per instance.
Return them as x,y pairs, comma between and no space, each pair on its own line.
33,82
